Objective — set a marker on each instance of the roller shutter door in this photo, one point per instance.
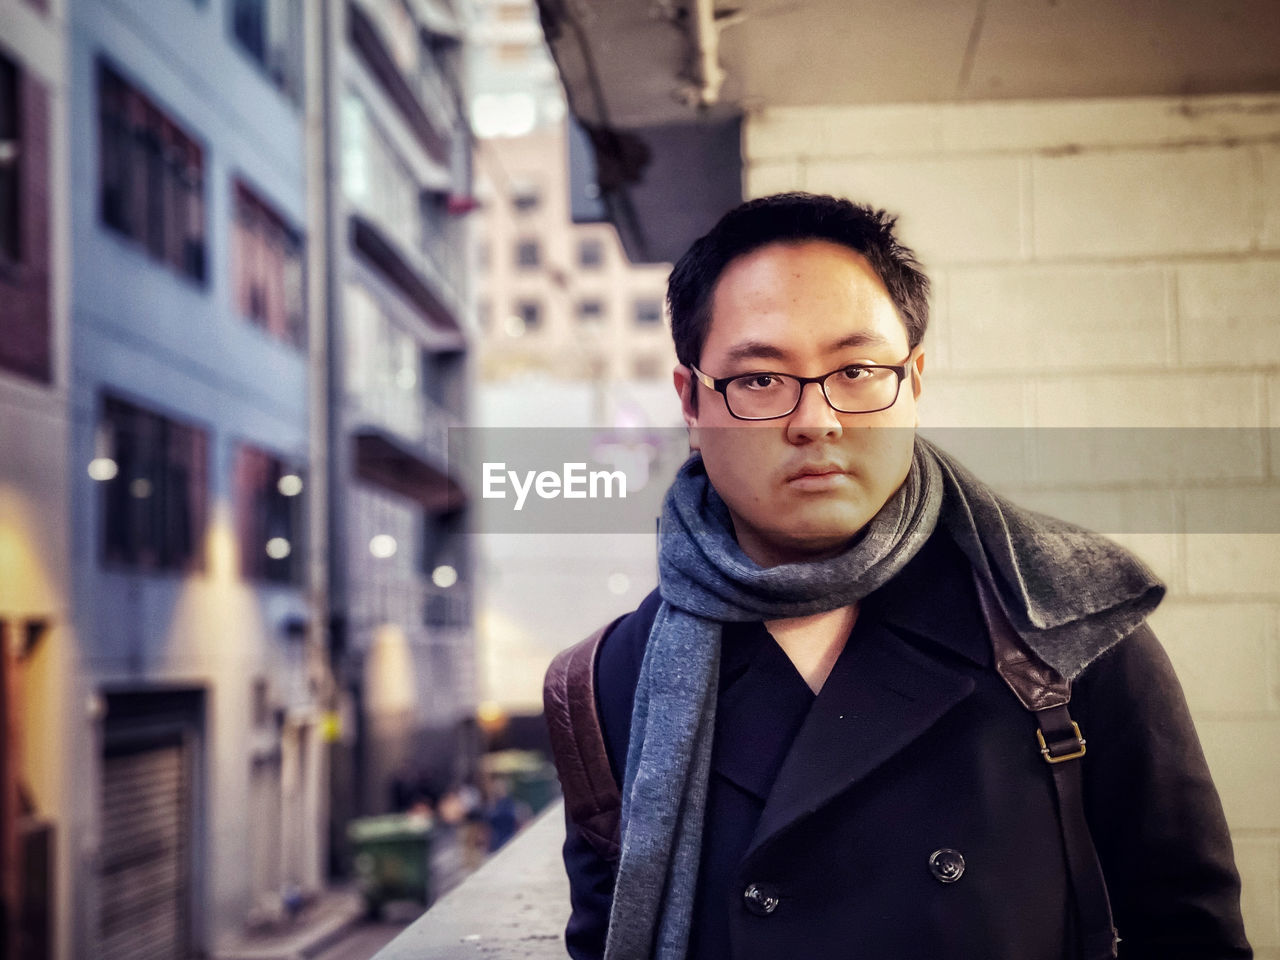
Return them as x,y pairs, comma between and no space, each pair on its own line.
145,854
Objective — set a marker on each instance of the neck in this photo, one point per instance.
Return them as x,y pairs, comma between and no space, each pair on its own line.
813,643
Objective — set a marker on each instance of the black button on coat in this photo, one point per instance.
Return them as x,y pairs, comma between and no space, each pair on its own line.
906,810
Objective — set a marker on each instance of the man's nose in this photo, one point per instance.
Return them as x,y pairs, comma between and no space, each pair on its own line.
813,417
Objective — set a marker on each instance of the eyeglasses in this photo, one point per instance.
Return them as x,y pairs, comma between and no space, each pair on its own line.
855,388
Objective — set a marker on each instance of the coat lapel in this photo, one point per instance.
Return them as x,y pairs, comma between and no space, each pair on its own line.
882,694
763,702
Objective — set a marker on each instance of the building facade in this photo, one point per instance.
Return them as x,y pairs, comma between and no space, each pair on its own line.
399,191
37,641
197,811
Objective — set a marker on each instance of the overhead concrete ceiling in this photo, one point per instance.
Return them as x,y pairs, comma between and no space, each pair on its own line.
631,66
806,52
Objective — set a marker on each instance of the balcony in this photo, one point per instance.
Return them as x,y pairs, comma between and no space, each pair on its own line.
421,276
414,82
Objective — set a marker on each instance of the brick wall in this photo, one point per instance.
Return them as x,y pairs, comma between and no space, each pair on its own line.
1110,263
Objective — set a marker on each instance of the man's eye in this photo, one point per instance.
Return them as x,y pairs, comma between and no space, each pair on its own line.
760,381
854,373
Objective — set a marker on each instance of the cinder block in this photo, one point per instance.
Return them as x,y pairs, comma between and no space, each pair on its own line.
766,177
1229,313
1107,457
783,134
1150,400
1273,420
1226,564
1244,758
1220,651
1269,167
1145,202
937,342
1049,317
1070,124
1258,860
1243,509
950,401
961,210
880,130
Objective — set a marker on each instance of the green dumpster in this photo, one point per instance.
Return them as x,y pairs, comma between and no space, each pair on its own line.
392,858
531,775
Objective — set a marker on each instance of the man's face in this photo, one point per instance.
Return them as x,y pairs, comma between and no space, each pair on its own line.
802,486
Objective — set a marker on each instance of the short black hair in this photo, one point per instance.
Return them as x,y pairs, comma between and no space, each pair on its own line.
792,218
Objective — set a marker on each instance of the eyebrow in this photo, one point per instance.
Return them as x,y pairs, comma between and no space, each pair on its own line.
763,350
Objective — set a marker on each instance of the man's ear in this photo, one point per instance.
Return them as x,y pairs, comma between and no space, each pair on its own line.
682,377
917,373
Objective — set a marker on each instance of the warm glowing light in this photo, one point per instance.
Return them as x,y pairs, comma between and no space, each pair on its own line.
619,583
278,548
290,485
103,468
383,546
140,488
490,716
444,576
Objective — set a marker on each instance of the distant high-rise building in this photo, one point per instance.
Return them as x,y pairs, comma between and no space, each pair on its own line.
571,335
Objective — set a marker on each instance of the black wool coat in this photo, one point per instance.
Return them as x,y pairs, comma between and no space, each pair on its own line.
906,810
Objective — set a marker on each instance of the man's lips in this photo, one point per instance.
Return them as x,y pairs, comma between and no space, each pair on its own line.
813,472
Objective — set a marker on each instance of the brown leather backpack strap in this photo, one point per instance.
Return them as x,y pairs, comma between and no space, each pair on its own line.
1046,693
592,799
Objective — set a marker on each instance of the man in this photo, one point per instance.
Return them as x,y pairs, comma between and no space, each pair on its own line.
824,722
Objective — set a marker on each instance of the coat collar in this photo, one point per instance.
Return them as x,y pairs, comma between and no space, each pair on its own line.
882,694
887,688
895,673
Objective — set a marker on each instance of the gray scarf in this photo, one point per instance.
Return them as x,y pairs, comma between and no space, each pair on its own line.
1070,594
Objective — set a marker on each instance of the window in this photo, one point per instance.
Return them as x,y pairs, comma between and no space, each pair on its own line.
590,253
590,311
648,311
151,178
526,197
153,478
528,255
26,346
10,160
376,180
529,314
271,516
267,270
270,31
444,379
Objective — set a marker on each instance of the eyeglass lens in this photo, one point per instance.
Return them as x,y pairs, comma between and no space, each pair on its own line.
852,390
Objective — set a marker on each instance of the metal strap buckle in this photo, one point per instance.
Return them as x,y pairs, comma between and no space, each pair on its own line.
1050,758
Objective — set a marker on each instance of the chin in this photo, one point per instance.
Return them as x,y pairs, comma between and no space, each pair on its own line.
816,540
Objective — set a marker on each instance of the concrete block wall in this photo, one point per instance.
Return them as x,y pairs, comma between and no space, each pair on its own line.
1110,264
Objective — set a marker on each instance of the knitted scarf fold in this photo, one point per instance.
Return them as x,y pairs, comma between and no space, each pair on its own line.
1071,595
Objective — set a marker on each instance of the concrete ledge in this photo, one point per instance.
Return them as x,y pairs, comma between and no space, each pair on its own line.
515,906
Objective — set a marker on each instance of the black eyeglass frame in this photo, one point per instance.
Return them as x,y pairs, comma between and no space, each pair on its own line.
721,386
